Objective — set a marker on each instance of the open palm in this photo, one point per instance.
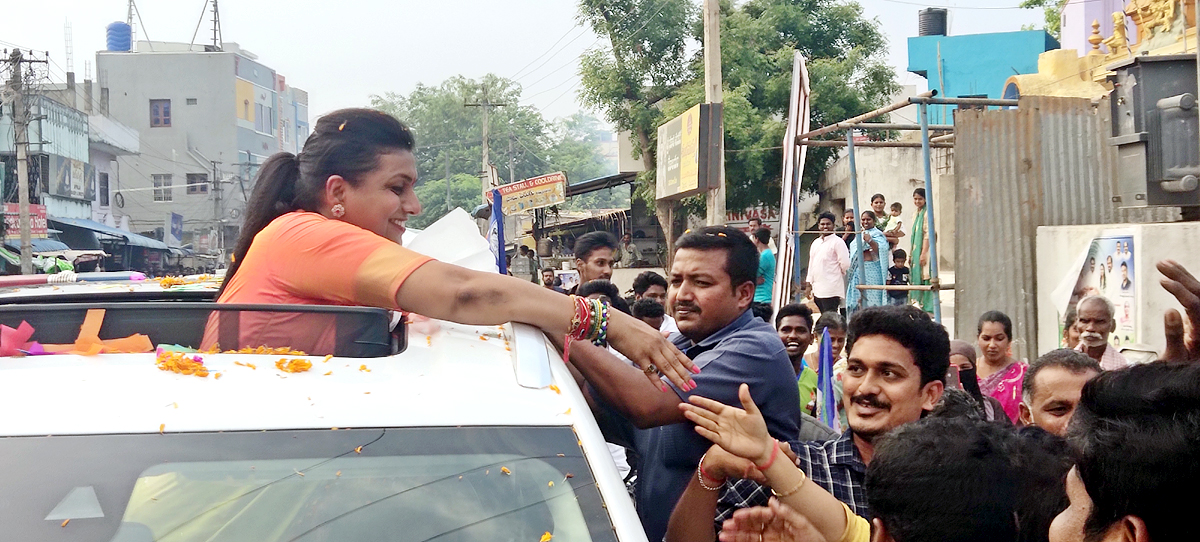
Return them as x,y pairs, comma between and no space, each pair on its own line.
774,523
740,432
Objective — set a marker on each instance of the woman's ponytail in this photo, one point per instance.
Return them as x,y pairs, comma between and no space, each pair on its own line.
346,142
274,195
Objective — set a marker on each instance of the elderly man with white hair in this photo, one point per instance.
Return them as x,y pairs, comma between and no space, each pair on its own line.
1095,320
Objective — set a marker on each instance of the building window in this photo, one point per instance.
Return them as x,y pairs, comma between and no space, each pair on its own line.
160,113
262,118
162,187
197,183
286,132
103,189
191,101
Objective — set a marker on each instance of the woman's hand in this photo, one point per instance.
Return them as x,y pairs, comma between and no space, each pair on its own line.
740,432
1181,345
776,522
723,465
652,352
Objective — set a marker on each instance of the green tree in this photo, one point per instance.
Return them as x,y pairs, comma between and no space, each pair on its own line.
447,130
1052,10
465,192
642,79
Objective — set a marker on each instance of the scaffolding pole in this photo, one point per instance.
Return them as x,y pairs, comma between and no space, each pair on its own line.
858,252
930,232
849,123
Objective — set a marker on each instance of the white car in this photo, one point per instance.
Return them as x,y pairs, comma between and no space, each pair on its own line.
469,433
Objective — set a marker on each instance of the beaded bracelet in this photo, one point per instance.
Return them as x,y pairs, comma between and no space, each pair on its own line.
700,475
589,323
602,333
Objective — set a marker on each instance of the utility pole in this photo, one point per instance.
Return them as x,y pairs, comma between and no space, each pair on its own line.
216,190
21,139
486,105
713,94
447,153
512,159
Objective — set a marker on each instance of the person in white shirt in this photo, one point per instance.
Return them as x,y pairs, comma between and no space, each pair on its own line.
754,224
828,260
653,286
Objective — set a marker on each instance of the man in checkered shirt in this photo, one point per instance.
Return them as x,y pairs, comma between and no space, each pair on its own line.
896,370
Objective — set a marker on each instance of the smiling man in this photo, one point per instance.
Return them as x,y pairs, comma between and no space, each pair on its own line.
898,357
712,283
1052,387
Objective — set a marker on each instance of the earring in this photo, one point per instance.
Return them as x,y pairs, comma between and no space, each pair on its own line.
339,210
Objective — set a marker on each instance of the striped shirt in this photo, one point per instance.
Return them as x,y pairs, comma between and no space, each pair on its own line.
835,465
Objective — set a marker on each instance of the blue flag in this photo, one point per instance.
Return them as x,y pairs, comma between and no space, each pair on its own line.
496,233
827,403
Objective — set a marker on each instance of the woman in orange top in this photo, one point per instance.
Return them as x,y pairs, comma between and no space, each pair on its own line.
323,228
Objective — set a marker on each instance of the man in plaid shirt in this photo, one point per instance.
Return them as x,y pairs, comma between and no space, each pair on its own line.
896,370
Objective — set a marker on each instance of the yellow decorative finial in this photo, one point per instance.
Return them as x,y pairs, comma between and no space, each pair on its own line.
1095,39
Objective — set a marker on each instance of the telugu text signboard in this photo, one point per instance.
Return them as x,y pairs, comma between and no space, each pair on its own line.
533,193
12,221
688,152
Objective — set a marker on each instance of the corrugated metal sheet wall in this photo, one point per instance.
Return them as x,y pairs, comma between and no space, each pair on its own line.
1045,163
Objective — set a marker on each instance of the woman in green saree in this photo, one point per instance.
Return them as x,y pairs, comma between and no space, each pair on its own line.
920,255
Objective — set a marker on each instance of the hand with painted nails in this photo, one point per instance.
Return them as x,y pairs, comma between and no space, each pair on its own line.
653,353
1182,344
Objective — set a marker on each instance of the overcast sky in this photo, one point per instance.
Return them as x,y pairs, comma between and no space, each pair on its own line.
343,51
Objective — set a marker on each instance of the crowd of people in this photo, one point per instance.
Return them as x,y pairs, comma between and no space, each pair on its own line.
943,440
872,255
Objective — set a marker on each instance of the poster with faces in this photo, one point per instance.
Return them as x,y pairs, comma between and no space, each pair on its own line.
1109,271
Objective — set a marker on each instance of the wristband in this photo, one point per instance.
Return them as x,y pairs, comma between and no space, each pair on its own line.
771,461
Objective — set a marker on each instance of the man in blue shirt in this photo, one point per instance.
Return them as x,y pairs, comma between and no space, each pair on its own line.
712,284
765,280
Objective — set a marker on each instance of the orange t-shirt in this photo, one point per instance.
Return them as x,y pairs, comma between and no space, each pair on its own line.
304,258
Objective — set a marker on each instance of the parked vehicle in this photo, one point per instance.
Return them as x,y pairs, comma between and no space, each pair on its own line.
447,433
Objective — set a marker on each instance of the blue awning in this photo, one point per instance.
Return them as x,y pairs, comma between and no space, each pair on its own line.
40,244
130,238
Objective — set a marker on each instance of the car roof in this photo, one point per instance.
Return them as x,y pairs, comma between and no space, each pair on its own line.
176,288
453,375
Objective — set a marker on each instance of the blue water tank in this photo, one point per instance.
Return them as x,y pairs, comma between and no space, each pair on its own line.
120,36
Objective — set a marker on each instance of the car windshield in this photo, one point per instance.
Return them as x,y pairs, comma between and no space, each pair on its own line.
412,484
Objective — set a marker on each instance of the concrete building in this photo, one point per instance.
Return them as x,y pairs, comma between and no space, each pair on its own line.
976,65
72,166
207,118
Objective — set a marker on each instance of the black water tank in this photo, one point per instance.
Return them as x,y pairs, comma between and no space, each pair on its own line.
931,22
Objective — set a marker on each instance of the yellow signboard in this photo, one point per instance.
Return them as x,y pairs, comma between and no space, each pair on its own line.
533,193
688,149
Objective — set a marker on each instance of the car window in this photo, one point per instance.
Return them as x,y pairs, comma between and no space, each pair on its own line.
445,484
